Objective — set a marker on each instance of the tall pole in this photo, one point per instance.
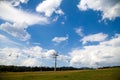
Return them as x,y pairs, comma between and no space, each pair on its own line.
55,56
42,62
55,63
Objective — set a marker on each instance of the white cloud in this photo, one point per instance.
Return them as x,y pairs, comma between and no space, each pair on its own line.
18,20
65,58
25,56
24,1
60,39
15,56
16,30
35,51
8,56
94,38
110,8
17,52
49,6
4,41
50,53
97,55
31,62
39,52
106,53
115,42
16,2
59,11
79,31
19,16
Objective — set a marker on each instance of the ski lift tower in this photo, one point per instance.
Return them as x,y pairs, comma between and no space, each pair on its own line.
55,55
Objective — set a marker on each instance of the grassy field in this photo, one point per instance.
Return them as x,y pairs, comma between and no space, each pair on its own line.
100,74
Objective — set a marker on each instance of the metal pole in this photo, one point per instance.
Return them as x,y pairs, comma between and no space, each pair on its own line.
55,56
55,63
42,62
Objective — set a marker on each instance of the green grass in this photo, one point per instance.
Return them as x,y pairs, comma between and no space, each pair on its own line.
100,74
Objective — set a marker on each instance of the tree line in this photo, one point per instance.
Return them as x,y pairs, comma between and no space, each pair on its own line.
11,68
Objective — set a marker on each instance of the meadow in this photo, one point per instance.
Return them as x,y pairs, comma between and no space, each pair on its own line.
98,74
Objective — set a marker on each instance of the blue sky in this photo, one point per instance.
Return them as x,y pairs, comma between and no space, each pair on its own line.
85,33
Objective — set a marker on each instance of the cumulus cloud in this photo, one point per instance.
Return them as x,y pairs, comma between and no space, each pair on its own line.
60,39
65,58
18,20
49,6
16,56
19,16
104,54
16,30
8,56
94,38
27,56
115,42
31,62
50,54
35,51
110,8
79,31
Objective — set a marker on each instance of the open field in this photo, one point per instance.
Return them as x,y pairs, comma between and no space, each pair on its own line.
100,74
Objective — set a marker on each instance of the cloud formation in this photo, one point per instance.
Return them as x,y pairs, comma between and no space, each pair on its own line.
16,30
8,56
25,56
59,11
49,6
104,54
5,41
110,8
17,21
60,39
19,16
21,55
31,62
94,38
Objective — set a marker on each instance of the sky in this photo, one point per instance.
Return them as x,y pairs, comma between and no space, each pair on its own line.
84,33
